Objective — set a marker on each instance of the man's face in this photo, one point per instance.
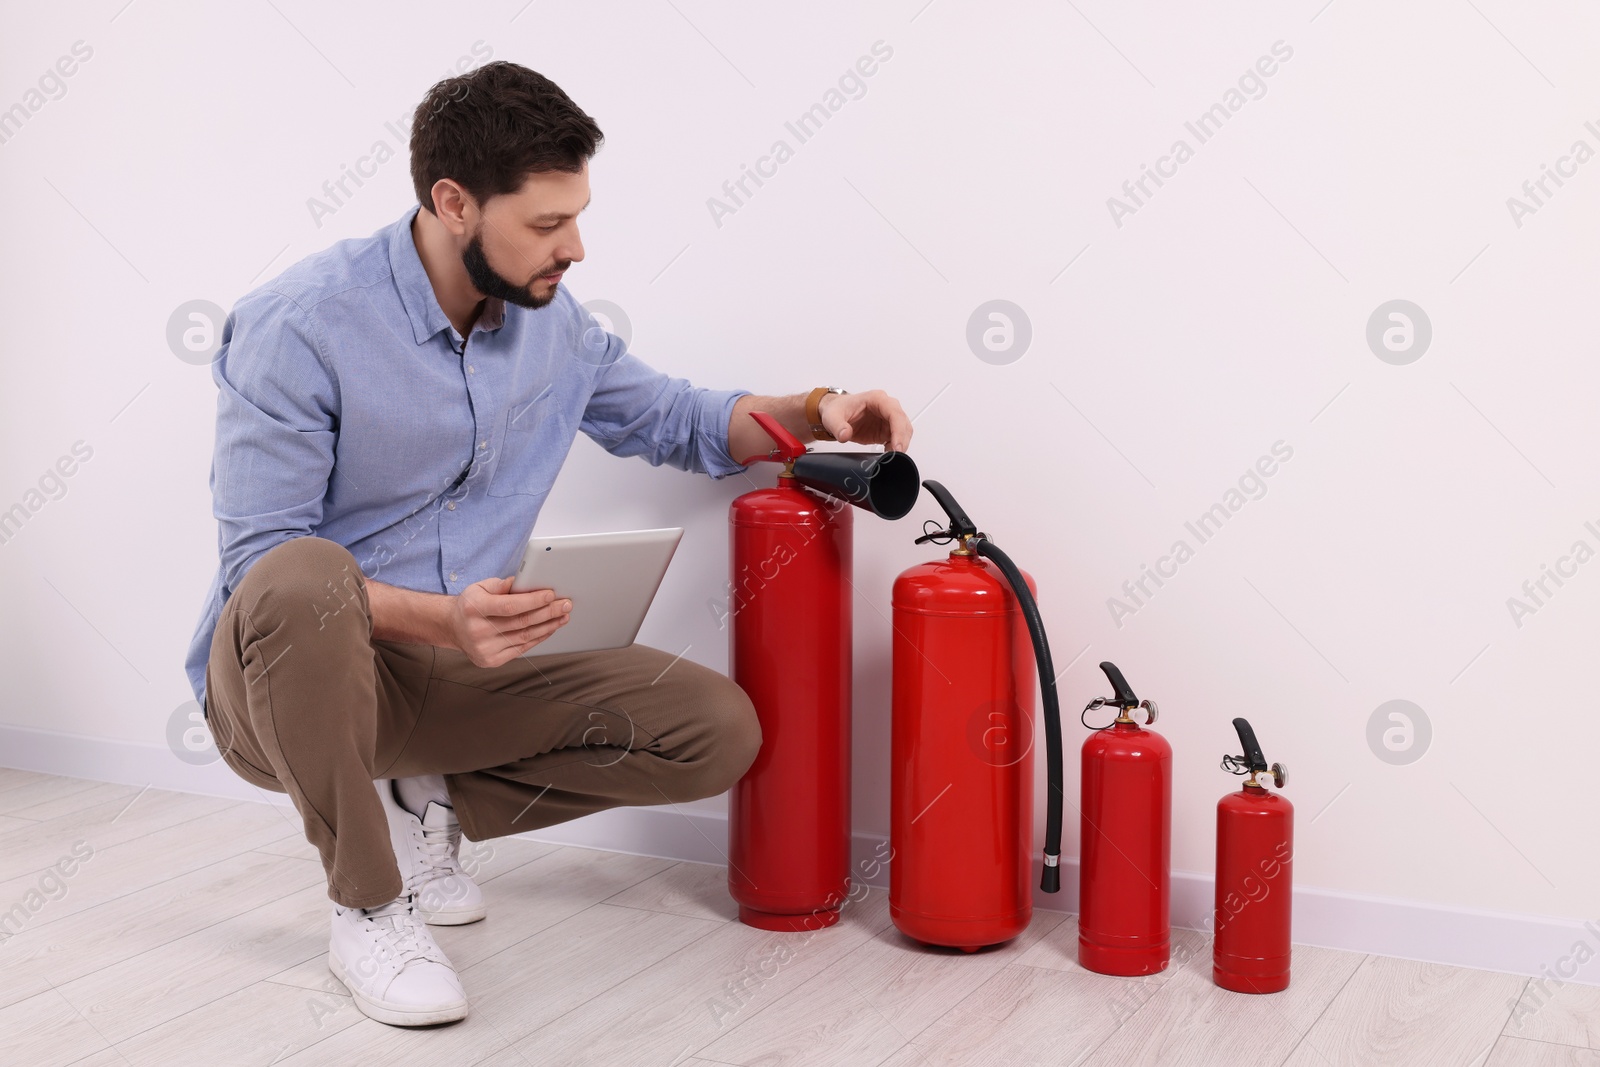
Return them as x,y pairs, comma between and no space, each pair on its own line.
525,241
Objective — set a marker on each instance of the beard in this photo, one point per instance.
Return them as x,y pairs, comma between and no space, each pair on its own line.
490,283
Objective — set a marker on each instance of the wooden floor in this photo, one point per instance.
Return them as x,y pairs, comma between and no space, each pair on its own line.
196,932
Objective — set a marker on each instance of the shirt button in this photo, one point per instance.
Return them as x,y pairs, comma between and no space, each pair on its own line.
483,444
471,369
452,576
451,505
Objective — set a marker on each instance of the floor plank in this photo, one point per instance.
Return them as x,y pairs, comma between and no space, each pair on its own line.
115,871
484,861
1418,1014
10,778
537,895
1021,1015
1190,1021
697,890
42,791
542,977
154,987
870,1003
680,1004
120,929
30,848
1566,1014
98,793
1517,1052
260,1024
368,1042
46,1030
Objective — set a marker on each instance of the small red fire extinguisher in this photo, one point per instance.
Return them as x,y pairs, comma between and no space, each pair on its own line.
1125,850
1255,876
968,640
789,599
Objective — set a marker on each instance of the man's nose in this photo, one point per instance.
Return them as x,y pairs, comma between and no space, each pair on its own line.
573,249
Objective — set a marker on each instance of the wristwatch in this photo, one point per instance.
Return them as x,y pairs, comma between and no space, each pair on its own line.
819,432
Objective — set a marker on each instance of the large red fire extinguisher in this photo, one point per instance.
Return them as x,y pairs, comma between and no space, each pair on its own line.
1125,846
1255,876
968,639
789,600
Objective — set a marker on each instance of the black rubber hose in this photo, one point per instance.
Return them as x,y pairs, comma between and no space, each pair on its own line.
1050,882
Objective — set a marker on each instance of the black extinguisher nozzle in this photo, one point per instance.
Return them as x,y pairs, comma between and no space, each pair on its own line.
1050,880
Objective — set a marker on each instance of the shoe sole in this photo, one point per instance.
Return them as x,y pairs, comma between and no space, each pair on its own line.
393,1014
453,918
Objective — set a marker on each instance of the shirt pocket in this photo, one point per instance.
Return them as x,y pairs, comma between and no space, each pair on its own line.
534,440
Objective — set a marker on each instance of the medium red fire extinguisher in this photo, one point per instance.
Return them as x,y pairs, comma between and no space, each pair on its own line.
789,649
1125,850
968,639
1255,876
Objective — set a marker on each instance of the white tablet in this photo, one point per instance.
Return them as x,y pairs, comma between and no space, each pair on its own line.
611,578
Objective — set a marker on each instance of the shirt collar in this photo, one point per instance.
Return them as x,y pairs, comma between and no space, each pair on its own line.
416,291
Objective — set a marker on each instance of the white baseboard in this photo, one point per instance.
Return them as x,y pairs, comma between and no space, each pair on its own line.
1536,946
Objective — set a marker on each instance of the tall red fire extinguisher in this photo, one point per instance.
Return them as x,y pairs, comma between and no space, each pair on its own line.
968,639
1125,847
789,598
1255,876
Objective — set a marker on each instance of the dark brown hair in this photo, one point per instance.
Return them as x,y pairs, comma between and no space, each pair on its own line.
490,128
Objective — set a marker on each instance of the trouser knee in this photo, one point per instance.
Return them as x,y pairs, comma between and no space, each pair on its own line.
735,733
307,580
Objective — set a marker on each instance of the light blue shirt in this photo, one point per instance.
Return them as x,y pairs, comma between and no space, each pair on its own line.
347,408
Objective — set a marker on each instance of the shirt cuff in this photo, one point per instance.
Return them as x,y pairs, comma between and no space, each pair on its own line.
716,411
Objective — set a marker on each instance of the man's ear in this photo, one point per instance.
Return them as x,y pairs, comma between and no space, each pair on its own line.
451,205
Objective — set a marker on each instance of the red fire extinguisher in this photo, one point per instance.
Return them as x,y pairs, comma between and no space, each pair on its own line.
967,641
1255,876
1124,873
789,650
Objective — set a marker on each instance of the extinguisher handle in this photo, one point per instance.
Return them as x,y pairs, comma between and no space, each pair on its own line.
789,446
960,525
1252,748
1124,692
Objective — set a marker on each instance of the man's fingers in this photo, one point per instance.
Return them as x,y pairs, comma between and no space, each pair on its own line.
500,604
532,635
899,430
512,625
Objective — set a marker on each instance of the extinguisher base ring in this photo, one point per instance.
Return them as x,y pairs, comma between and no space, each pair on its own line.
1124,962
1240,983
788,923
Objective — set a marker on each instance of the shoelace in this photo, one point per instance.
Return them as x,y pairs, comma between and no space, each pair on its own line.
402,935
436,851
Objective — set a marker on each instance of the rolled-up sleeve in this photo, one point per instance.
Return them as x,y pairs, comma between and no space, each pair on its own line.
277,426
636,410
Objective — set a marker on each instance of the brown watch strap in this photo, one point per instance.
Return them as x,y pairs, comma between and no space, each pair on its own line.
814,413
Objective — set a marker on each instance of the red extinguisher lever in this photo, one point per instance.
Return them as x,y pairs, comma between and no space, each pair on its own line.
789,446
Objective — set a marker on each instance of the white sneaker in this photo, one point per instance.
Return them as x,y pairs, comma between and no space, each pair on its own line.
395,972
429,853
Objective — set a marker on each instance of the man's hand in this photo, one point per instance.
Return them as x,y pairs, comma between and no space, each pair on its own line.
871,418
493,625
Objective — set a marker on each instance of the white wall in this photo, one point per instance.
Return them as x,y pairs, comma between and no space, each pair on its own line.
1227,313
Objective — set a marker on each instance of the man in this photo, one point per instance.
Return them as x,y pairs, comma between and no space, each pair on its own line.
392,413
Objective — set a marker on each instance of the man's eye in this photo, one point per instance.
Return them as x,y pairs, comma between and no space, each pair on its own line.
548,229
